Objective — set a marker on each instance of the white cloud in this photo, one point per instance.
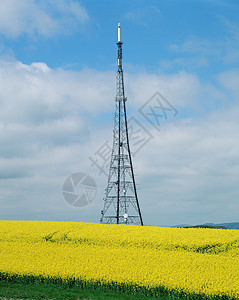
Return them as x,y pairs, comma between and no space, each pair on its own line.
43,110
188,63
199,46
51,121
202,52
193,177
182,89
42,18
140,15
229,80
45,134
35,93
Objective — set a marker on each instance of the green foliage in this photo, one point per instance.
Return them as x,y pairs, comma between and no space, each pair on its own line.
38,287
207,226
37,290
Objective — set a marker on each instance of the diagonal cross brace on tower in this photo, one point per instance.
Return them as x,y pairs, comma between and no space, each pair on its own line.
121,205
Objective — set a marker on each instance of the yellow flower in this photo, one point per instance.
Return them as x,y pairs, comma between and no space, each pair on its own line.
193,261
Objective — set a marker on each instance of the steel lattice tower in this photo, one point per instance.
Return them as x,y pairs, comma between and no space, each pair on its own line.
121,205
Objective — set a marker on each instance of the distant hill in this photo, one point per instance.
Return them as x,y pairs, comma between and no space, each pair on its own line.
233,225
207,226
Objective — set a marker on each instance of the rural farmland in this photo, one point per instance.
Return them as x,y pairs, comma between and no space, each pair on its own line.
133,260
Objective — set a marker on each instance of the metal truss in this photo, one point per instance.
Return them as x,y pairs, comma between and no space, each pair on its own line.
121,205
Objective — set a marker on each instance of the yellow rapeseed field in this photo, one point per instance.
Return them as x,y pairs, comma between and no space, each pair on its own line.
202,262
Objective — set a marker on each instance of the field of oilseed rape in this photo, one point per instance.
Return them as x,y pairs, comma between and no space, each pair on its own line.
199,263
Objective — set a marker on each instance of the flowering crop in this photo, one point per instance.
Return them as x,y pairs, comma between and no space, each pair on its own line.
202,262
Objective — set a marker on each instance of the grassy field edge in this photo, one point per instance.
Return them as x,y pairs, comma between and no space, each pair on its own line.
99,287
16,291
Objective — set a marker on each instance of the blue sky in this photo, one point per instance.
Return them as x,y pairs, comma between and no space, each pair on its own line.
153,32
57,88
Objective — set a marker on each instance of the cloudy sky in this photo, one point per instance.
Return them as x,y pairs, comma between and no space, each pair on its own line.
57,89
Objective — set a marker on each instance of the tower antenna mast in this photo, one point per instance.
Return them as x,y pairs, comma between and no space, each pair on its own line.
121,204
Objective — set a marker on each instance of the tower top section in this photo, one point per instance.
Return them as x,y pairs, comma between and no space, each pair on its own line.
119,33
119,44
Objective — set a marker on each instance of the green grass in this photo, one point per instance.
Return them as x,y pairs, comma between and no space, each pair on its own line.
14,290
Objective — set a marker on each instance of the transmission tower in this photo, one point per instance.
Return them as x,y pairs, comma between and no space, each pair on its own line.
121,205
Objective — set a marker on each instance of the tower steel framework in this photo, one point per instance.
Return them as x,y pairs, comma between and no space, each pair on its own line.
121,204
